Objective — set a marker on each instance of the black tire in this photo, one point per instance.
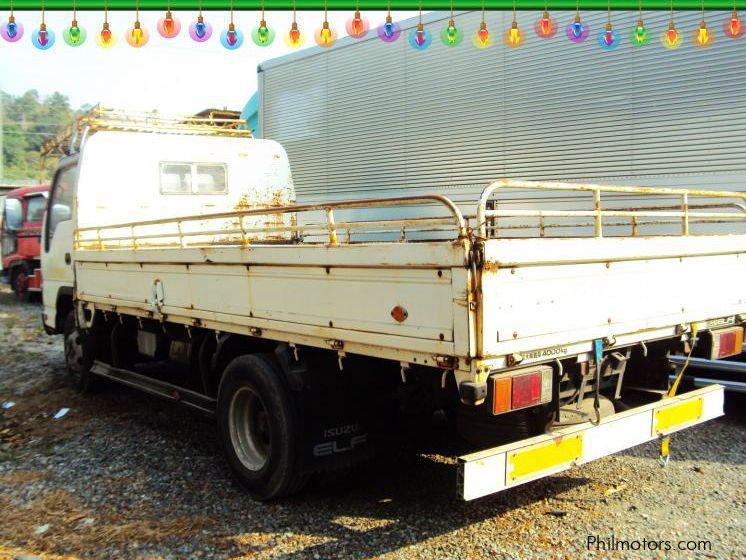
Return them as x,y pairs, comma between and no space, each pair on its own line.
480,428
19,281
259,427
78,357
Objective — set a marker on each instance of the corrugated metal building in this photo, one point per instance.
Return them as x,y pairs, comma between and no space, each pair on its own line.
367,118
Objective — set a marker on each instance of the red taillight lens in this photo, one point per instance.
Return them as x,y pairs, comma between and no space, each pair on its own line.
727,344
730,343
526,390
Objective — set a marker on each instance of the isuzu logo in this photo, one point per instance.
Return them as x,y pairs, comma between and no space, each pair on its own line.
341,430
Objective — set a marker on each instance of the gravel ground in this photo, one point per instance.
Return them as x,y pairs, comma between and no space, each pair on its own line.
122,475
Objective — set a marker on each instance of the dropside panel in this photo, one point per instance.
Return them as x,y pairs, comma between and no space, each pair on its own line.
358,299
534,298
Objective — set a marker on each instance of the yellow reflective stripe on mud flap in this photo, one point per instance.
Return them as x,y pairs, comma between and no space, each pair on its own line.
672,416
543,457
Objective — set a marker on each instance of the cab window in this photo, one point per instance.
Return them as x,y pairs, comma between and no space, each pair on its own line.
35,207
176,178
61,201
12,214
193,178
210,178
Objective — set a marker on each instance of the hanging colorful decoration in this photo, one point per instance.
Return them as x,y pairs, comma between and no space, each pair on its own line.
451,35
12,30
670,38
168,26
577,31
357,26
545,27
137,36
325,36
106,38
702,36
262,35
200,30
389,31
420,38
42,38
74,35
232,37
482,38
513,36
294,37
732,26
639,37
608,39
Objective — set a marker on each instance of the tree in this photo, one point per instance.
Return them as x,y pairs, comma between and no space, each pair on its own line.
28,122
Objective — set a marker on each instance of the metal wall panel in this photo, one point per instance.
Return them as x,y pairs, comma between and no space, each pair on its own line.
367,118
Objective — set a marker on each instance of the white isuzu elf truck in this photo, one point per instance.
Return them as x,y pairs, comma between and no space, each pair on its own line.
313,331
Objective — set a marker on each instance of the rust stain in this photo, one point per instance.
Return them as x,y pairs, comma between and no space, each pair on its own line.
243,203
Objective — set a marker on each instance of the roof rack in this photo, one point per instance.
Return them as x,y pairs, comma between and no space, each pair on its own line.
71,140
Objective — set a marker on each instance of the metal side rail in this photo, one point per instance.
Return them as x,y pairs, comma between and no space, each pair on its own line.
713,367
493,470
155,387
686,213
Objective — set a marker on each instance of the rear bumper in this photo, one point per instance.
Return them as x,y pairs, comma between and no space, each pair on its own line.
500,468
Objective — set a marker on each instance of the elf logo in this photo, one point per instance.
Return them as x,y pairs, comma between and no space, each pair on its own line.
333,447
723,322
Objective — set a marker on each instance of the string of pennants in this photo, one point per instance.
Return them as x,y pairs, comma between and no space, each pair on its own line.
420,38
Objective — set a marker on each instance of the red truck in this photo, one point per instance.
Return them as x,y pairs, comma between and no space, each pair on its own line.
23,213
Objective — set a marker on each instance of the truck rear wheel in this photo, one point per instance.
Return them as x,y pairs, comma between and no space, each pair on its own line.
78,356
258,425
19,281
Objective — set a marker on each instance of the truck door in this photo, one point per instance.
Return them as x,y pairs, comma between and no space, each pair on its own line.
56,261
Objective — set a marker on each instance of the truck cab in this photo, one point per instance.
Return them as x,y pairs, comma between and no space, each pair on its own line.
23,213
194,166
57,238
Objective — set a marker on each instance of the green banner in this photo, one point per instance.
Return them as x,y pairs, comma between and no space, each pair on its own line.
349,5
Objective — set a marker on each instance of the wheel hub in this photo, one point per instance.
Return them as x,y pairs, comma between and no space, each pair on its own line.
249,429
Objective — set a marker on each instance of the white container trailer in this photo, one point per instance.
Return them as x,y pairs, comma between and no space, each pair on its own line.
367,119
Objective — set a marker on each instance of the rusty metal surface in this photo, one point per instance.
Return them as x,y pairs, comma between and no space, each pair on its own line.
172,232
683,214
99,118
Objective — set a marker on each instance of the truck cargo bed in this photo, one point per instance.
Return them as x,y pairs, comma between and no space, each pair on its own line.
441,293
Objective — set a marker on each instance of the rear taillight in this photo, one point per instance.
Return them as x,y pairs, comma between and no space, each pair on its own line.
521,388
526,390
502,394
726,342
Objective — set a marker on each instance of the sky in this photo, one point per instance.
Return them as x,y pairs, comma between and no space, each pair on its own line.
176,76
